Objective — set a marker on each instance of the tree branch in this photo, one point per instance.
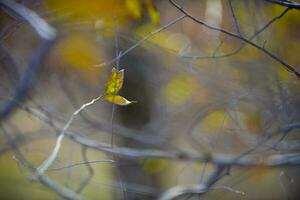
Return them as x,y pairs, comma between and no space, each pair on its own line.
286,3
48,35
138,43
287,66
48,162
46,181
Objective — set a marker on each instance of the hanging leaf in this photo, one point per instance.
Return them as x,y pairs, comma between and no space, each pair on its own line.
117,99
113,85
115,82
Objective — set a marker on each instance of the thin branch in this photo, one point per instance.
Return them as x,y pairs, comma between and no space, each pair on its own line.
138,43
80,163
218,159
59,189
236,23
48,162
198,189
178,191
46,181
291,127
286,3
90,169
287,66
258,32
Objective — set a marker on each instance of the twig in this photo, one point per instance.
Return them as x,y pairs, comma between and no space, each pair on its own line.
181,190
218,159
81,163
198,189
90,169
258,32
48,162
236,23
46,181
138,43
286,3
287,66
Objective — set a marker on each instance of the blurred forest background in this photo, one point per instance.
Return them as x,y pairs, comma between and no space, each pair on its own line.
217,90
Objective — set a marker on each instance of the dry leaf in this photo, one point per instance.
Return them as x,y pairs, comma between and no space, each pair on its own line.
117,99
113,85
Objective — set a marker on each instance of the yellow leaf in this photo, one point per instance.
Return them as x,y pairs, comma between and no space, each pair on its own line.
115,82
113,85
152,12
117,99
134,8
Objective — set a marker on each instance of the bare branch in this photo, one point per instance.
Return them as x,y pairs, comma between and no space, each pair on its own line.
90,170
286,3
46,181
80,163
48,35
218,159
48,162
287,66
138,43
181,190
236,23
258,32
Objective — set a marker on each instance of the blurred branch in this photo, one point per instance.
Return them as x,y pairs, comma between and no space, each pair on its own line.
6,31
291,127
236,23
138,43
286,3
90,170
258,32
80,163
59,189
199,189
47,34
287,66
21,139
48,162
43,29
218,159
46,181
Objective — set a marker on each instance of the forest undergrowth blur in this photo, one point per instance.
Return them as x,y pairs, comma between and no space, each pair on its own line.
149,99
